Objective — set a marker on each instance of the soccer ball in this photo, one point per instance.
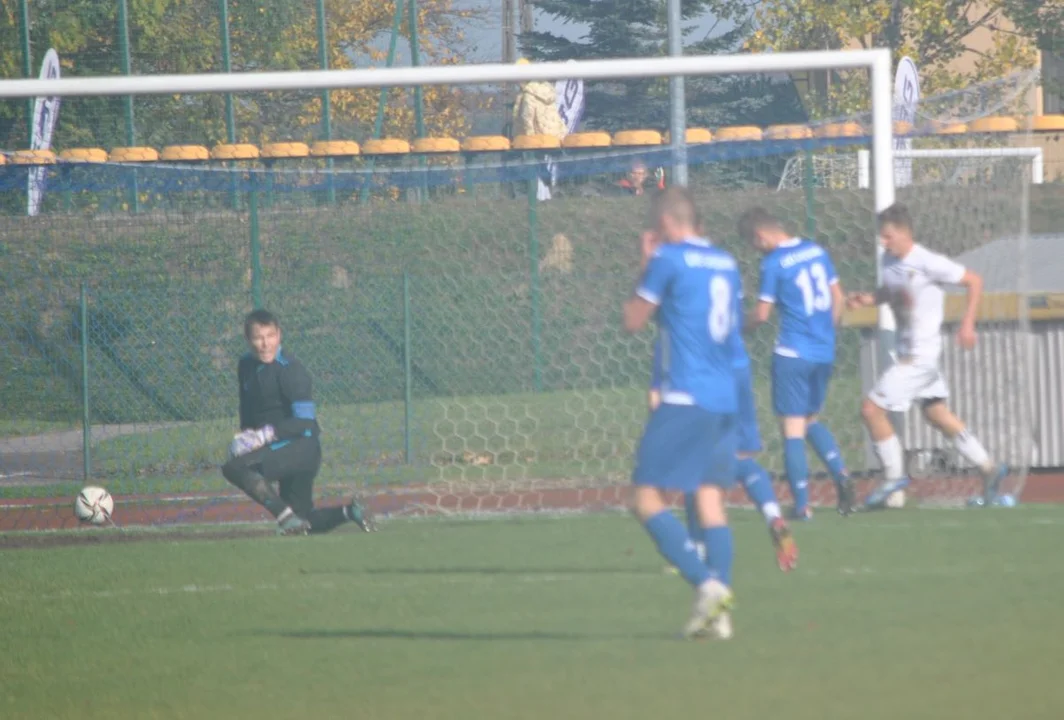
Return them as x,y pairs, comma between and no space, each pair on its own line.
94,505
896,500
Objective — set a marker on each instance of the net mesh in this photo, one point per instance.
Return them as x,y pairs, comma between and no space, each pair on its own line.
464,338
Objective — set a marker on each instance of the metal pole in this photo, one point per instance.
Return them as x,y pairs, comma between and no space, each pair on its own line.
808,183
86,413
127,69
378,122
415,61
408,383
509,46
27,63
533,273
256,247
227,66
678,111
323,60
326,100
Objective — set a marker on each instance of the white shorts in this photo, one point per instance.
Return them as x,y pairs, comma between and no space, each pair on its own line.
902,383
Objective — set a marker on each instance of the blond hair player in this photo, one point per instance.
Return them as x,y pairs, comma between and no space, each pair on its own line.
912,282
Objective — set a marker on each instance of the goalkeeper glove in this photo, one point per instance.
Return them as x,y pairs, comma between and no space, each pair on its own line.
251,440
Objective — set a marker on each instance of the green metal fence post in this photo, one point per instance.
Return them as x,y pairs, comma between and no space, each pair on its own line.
86,412
808,184
419,115
326,101
408,383
227,66
127,69
27,63
256,248
378,123
533,272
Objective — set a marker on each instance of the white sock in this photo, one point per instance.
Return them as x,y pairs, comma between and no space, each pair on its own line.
972,450
890,457
771,511
285,514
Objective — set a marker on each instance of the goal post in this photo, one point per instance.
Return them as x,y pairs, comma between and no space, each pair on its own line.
461,335
1035,155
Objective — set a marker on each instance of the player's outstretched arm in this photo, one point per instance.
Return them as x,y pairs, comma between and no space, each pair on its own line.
857,300
973,283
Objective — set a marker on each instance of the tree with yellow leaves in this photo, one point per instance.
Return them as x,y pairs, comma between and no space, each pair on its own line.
955,43
183,36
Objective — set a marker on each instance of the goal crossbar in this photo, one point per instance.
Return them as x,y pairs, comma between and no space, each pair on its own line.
1036,155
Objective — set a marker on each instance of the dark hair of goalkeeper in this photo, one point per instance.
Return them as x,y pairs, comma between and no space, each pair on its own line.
260,317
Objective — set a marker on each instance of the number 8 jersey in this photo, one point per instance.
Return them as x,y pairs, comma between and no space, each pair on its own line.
697,289
797,276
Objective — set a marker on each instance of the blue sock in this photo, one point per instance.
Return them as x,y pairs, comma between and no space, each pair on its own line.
690,507
797,470
756,481
676,546
827,450
719,553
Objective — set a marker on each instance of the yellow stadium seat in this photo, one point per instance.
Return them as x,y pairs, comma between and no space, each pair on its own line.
993,125
335,148
273,151
637,137
839,130
33,157
587,140
485,143
83,155
738,133
437,145
236,151
185,153
134,155
386,146
536,142
788,132
1048,123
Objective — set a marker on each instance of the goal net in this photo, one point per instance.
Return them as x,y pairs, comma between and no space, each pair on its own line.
462,332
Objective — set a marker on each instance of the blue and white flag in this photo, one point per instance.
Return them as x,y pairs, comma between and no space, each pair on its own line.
45,114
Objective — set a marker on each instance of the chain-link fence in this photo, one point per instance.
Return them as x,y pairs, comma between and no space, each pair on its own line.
460,333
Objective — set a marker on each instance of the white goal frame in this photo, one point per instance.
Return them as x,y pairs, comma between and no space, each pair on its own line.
1036,155
877,62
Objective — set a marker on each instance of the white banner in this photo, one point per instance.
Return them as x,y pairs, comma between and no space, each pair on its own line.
569,96
45,114
906,99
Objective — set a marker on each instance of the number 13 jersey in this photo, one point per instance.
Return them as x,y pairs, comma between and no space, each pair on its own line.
797,277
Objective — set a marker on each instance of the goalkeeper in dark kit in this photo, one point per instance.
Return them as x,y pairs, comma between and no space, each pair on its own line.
278,442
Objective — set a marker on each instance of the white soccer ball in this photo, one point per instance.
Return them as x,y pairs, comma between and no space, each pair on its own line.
896,500
94,505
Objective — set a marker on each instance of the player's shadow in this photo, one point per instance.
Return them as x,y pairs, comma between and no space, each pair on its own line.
488,571
444,635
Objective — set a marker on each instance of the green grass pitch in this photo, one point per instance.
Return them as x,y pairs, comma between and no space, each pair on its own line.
914,614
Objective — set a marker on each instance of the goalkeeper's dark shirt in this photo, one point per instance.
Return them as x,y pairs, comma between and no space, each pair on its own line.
278,394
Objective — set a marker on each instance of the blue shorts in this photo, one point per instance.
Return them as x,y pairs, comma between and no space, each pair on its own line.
684,446
799,386
749,440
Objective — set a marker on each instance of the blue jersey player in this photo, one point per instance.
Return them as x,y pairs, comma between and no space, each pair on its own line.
799,279
690,440
755,480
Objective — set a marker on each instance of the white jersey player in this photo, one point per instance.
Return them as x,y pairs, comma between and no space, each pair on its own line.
912,282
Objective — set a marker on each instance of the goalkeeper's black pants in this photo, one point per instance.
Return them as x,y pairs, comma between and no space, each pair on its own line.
293,465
